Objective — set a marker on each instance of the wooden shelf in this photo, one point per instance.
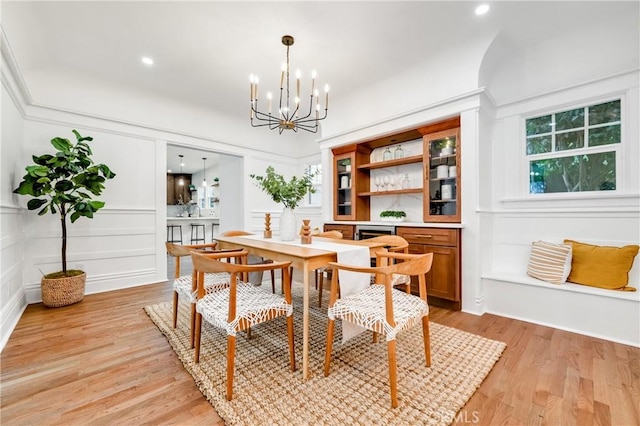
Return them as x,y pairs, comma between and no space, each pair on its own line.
394,192
453,200
442,157
390,163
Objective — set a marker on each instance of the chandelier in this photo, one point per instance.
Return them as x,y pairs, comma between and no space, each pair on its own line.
288,115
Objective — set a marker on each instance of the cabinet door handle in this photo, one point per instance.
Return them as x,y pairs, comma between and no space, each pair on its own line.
421,236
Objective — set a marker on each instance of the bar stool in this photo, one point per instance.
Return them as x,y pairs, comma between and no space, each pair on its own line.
170,235
195,232
213,228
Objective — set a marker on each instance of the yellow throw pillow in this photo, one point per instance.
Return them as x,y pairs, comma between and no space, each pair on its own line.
601,266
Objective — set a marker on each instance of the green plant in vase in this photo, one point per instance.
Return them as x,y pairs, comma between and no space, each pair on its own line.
289,193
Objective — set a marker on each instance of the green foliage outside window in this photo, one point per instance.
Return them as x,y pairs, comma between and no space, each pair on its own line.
580,130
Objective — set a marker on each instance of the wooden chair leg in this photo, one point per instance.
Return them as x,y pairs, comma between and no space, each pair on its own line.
273,281
427,339
391,352
290,280
292,352
197,337
193,323
375,337
231,354
316,273
319,286
327,355
175,309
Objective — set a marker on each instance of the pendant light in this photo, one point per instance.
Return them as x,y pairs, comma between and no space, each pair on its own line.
181,180
204,175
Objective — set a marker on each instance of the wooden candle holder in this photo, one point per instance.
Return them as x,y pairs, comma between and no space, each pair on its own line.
267,225
305,236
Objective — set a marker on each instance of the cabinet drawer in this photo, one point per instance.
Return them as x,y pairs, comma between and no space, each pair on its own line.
431,236
347,231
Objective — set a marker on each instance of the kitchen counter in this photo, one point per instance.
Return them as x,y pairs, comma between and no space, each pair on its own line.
390,223
215,220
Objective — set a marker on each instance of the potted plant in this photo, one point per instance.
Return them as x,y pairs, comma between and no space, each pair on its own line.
64,184
393,215
289,193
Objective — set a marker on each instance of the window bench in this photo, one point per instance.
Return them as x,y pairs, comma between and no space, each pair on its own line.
608,314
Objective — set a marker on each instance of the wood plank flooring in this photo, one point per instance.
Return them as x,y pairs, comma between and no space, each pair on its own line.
103,362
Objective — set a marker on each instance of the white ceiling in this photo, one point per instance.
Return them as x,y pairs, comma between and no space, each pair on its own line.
204,51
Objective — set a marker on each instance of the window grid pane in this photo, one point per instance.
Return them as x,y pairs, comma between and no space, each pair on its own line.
583,130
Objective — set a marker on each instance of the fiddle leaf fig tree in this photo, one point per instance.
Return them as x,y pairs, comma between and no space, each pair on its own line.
64,183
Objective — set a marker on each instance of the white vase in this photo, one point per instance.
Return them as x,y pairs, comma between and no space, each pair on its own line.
287,225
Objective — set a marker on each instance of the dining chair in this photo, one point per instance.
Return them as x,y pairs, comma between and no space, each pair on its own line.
320,272
240,306
395,244
184,285
382,308
252,258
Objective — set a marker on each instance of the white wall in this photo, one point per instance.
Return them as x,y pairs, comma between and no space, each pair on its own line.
12,238
594,52
122,234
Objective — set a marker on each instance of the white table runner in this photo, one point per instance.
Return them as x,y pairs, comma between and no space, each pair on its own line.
350,282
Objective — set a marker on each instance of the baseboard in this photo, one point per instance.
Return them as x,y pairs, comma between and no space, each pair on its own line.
11,314
106,282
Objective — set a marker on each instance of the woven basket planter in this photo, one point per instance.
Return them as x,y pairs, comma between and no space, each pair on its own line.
57,292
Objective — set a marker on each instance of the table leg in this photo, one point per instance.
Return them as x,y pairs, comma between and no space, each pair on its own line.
305,322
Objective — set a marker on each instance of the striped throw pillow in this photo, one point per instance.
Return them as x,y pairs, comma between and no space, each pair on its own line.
550,262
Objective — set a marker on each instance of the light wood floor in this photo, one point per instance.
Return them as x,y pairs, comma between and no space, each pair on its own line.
102,361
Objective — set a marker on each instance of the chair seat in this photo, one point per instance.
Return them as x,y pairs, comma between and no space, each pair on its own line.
254,306
367,309
212,281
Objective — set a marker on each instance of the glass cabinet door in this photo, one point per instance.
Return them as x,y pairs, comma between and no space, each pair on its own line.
343,186
442,180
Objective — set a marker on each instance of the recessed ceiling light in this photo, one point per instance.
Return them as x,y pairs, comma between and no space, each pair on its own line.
482,9
169,171
147,60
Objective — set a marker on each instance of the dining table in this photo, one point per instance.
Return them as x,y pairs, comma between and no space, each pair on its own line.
303,257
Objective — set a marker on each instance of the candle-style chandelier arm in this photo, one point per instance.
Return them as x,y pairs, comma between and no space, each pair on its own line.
286,118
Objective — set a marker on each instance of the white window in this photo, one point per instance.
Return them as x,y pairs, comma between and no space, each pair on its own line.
574,150
316,197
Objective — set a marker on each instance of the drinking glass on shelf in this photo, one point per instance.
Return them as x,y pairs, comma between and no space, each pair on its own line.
388,183
378,181
385,181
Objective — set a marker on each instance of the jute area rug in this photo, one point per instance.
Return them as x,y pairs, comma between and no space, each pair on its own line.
266,392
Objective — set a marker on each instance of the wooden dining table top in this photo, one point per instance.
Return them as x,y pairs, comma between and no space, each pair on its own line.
274,249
